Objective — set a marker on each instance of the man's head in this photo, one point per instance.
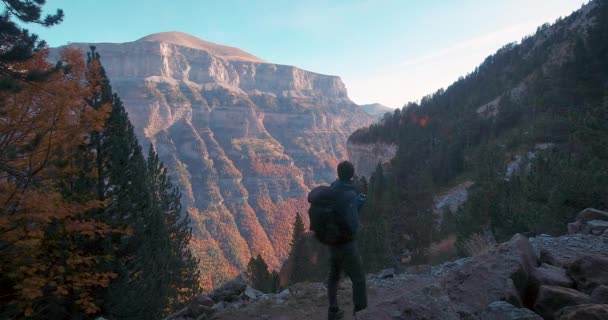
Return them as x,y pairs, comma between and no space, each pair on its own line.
345,171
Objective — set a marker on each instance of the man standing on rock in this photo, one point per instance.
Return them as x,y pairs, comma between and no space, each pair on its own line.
345,256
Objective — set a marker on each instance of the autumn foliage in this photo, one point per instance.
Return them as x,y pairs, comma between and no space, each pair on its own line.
46,228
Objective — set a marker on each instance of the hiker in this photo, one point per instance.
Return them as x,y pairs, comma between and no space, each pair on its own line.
334,217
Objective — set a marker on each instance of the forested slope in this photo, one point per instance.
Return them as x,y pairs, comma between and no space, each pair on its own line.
527,127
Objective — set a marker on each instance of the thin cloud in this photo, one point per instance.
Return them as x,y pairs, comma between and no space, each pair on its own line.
484,42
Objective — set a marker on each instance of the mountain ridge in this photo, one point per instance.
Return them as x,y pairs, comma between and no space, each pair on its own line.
187,40
244,141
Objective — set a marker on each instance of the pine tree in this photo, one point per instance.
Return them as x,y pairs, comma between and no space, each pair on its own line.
374,234
142,256
182,267
18,45
259,276
299,256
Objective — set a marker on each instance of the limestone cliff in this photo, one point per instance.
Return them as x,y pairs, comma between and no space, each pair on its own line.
244,139
367,156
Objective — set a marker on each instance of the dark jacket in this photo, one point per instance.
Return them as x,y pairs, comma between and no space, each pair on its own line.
347,204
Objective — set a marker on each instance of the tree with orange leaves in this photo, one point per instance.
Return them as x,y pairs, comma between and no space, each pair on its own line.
46,227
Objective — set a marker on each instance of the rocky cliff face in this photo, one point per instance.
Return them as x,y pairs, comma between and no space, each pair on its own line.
244,139
367,156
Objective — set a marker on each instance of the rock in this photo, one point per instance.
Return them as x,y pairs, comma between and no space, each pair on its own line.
285,294
574,227
549,258
230,291
592,214
597,227
567,248
501,310
550,275
600,294
419,269
503,274
589,272
200,305
220,306
551,299
265,297
584,312
251,293
387,273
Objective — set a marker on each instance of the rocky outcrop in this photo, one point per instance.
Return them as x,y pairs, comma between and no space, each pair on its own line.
600,294
229,291
366,156
584,312
590,221
496,285
451,200
503,274
243,138
589,272
551,299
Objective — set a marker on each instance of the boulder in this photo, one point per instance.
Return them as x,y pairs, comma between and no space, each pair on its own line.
600,294
387,273
584,312
285,294
574,227
549,258
592,214
589,272
230,291
501,310
501,275
551,299
199,306
549,275
251,294
597,227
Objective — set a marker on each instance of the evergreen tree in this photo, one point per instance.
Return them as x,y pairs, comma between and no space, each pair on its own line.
151,260
299,255
374,234
182,267
259,276
18,45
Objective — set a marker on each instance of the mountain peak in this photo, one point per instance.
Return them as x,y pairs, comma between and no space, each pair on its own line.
190,41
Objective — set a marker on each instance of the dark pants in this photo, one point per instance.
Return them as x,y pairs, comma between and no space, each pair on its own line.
345,257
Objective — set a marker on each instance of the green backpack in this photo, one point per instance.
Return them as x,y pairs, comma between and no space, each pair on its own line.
325,220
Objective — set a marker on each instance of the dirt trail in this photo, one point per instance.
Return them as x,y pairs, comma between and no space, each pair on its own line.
311,302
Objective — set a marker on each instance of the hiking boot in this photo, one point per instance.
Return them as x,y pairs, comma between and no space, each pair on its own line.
335,315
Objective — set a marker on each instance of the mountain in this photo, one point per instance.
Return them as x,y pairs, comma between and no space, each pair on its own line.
376,110
244,139
517,145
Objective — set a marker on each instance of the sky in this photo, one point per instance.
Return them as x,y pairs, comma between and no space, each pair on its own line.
385,51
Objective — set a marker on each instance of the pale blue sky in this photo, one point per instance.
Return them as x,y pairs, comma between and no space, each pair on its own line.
387,51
